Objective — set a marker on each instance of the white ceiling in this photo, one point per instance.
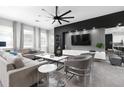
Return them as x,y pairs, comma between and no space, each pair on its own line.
28,14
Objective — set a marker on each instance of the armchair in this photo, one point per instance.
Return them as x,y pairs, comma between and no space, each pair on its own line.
79,65
115,60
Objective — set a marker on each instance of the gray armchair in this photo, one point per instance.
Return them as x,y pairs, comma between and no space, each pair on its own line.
79,65
115,60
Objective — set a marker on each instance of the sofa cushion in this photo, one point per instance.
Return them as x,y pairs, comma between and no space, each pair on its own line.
18,63
8,57
10,67
13,53
25,51
13,61
33,51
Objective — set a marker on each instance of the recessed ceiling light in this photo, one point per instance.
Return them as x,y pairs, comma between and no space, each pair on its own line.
94,28
37,21
119,24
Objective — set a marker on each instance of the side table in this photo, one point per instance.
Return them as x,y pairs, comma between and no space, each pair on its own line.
46,69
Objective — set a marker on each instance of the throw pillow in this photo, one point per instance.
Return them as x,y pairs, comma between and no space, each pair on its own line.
13,52
18,63
7,50
20,55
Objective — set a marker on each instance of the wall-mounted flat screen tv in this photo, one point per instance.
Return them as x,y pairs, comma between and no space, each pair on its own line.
83,39
2,44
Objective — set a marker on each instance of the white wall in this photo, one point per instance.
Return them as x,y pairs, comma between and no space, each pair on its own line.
6,22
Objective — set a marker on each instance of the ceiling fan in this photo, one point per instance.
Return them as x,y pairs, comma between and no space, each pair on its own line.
57,17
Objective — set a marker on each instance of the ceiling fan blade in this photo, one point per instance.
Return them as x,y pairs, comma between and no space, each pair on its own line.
65,13
53,21
59,22
56,10
65,20
47,12
67,17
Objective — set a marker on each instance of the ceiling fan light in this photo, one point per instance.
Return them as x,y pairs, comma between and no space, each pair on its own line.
60,17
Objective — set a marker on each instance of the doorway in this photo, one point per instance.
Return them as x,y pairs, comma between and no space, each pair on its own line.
108,41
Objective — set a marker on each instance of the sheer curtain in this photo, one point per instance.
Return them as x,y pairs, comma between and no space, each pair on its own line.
18,35
28,39
43,40
6,35
28,33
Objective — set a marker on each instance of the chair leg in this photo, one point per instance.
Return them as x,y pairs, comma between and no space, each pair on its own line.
70,77
66,72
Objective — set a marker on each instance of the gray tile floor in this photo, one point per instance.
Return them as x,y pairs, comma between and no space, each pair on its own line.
0,84
106,75
103,75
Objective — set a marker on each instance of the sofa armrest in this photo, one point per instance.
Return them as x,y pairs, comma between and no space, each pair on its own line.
26,67
25,76
30,56
20,69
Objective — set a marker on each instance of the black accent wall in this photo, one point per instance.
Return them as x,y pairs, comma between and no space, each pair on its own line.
106,21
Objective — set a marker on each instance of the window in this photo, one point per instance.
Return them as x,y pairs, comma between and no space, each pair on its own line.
28,38
6,35
43,40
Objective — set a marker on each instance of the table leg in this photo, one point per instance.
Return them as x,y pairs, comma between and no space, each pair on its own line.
57,63
46,81
122,60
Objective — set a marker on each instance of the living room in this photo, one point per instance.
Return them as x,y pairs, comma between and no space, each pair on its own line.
40,48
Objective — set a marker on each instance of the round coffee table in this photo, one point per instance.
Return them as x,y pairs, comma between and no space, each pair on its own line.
46,69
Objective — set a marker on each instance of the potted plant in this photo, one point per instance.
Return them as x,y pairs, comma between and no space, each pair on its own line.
100,45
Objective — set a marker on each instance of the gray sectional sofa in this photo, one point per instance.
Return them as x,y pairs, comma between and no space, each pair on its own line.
23,76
